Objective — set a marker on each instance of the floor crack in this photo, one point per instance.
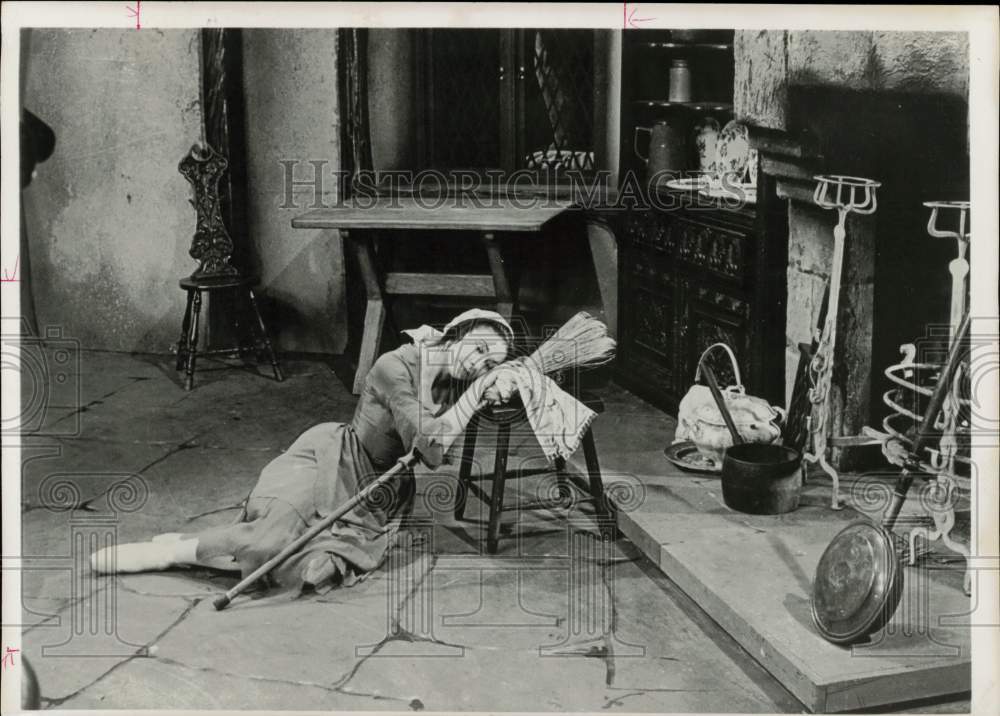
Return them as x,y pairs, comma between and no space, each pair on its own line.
396,633
141,653
70,602
287,682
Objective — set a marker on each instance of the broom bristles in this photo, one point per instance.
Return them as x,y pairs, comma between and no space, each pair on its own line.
581,342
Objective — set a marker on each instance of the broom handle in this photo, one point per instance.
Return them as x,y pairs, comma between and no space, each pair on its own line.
404,463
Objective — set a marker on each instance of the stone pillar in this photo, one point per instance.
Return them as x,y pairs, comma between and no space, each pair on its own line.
810,248
793,161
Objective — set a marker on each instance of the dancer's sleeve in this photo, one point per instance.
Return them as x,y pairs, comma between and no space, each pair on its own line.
417,426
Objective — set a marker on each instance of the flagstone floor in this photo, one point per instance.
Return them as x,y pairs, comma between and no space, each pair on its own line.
558,620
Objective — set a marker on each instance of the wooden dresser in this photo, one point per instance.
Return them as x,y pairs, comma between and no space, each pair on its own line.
695,275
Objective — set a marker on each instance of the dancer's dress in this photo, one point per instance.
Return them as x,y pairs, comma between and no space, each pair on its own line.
329,464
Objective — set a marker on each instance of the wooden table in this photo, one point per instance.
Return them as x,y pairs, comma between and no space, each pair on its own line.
490,217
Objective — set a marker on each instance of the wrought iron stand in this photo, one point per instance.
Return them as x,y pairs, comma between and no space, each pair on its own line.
847,195
939,497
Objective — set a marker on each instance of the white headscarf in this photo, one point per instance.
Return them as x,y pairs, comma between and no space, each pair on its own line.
429,333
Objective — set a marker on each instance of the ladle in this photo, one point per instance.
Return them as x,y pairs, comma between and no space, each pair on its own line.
720,402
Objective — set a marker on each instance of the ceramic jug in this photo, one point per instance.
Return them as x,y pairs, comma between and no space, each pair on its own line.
667,148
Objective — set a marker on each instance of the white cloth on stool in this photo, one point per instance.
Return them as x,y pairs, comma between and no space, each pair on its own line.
558,420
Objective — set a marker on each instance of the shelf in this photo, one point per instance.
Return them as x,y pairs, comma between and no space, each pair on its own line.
696,106
686,46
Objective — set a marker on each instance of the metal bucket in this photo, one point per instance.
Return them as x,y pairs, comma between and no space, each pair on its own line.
761,479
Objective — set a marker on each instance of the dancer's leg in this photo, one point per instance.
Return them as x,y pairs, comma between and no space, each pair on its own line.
213,547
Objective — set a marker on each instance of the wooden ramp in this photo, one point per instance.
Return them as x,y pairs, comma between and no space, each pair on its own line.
753,575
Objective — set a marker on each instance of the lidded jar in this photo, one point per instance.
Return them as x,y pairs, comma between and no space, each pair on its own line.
680,81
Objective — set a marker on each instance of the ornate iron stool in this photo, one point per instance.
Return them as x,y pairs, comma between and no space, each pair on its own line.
212,247
503,416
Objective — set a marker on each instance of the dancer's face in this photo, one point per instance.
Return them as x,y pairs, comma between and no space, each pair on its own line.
481,349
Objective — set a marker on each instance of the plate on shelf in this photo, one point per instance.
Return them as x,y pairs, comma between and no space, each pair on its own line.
738,192
688,184
686,456
733,148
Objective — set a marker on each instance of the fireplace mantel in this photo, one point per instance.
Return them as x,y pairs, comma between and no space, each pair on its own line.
793,161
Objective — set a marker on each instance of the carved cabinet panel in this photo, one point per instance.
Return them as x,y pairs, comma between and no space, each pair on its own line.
707,316
711,248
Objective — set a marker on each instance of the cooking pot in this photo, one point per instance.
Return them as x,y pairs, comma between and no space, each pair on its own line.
758,478
761,479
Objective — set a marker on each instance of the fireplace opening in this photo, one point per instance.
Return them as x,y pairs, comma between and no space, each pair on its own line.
916,145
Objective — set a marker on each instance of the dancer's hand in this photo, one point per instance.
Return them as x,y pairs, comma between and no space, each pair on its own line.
503,387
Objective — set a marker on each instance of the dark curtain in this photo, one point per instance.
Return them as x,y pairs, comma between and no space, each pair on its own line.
355,156
355,132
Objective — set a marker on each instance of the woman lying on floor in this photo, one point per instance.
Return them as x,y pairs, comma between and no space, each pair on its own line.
411,399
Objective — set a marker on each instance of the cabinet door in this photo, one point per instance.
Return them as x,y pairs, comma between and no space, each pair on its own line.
463,111
647,329
709,315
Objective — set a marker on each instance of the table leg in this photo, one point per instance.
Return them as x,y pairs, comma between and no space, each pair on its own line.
501,284
604,250
363,250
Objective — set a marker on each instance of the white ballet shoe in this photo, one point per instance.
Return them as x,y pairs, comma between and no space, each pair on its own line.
188,555
134,557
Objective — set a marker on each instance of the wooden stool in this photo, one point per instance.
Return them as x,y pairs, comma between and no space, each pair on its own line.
238,286
503,416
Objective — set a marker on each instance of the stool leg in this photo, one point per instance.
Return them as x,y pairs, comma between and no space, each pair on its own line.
193,342
465,468
267,341
499,475
563,488
182,344
605,520
236,310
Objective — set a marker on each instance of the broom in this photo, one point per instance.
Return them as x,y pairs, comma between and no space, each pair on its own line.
581,342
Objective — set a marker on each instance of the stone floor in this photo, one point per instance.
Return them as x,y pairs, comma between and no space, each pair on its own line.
558,620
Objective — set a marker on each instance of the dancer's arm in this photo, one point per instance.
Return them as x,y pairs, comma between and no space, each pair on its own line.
432,435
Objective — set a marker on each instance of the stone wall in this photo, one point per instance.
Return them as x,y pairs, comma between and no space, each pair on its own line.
108,219
107,216
290,81
770,61
891,106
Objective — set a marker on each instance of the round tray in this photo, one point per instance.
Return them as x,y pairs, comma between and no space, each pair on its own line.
686,456
744,192
688,184
858,584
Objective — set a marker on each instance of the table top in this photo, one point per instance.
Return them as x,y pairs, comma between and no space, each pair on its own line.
465,213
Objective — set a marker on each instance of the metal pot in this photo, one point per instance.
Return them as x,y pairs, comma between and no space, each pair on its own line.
761,479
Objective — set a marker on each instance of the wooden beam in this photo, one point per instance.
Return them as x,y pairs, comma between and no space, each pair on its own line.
439,284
